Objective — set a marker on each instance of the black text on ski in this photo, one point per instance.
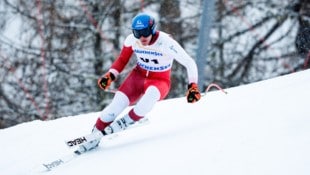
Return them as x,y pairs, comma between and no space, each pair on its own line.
77,141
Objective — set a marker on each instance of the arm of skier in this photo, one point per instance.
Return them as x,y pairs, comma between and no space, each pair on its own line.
118,65
193,93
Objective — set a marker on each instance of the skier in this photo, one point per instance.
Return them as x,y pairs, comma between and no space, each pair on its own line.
148,82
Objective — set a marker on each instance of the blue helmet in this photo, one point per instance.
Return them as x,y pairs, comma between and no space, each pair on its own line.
143,25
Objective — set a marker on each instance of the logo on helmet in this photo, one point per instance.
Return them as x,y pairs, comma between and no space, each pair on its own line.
139,24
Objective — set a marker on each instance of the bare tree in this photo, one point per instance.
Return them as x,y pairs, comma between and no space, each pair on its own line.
251,42
301,9
52,70
61,54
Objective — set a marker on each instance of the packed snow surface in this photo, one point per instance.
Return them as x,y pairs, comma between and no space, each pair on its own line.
256,129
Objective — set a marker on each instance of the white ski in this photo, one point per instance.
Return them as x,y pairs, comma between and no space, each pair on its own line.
93,136
50,165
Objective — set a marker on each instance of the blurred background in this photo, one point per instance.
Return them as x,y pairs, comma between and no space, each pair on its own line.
52,51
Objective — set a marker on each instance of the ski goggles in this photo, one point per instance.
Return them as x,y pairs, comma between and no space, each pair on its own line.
143,32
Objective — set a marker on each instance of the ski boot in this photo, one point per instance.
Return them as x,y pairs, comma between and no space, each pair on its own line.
89,145
118,125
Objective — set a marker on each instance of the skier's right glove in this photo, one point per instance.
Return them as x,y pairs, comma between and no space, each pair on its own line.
105,81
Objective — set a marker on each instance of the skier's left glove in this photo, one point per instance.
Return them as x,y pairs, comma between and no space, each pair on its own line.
105,81
193,94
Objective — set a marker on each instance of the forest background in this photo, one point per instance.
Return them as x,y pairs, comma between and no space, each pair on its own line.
52,52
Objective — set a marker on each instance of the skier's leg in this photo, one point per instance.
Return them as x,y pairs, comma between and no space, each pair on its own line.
155,90
144,105
118,104
108,114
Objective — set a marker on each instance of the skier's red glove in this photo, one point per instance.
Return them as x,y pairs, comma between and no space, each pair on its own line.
193,94
105,81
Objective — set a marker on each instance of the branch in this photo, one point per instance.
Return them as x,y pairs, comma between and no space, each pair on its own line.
10,104
247,60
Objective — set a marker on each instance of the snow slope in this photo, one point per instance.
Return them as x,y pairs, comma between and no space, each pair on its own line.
257,129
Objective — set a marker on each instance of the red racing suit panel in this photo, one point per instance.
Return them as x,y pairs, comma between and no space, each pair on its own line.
122,60
139,80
